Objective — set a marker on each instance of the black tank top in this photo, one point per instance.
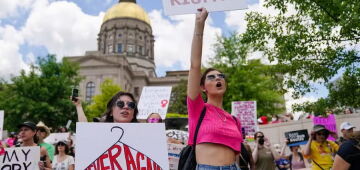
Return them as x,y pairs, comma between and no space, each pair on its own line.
244,162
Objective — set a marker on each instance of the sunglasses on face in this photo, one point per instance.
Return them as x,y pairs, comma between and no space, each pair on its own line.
259,137
154,120
214,76
322,134
121,104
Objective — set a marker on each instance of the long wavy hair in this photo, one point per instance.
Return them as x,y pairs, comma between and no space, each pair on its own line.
108,113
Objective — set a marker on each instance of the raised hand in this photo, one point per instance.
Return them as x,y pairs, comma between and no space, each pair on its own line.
201,15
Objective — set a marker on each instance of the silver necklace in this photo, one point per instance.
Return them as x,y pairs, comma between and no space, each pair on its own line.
224,120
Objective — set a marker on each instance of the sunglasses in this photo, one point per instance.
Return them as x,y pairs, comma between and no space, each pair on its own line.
214,76
259,136
322,133
154,120
121,104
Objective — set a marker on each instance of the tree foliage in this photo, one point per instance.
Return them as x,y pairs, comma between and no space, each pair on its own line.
178,98
108,89
248,79
310,39
42,94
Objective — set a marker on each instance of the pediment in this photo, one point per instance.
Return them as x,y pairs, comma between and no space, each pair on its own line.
89,61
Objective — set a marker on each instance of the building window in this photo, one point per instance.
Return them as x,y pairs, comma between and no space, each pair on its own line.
130,48
140,37
119,48
136,91
120,35
110,48
90,91
140,49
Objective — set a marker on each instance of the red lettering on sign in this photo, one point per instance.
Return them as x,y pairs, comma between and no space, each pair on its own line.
129,158
112,157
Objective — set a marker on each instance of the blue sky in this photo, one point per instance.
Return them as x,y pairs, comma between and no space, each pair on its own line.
31,28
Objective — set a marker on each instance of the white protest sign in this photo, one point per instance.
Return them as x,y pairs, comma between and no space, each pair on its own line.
56,137
176,7
124,146
1,123
174,155
21,158
178,134
246,112
154,99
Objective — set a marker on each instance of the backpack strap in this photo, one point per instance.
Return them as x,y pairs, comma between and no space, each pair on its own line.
201,118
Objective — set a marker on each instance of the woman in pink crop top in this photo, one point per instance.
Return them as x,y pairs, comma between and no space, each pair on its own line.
219,137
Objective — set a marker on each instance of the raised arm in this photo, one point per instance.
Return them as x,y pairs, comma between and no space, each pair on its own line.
79,110
193,87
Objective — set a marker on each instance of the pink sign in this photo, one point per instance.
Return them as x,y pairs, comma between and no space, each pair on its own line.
329,123
246,112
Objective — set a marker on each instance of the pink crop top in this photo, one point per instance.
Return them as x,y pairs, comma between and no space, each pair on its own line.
217,127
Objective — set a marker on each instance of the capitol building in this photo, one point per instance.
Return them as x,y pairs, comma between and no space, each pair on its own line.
125,54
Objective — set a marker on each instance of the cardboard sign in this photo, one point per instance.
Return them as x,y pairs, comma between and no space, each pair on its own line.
246,112
1,123
54,138
176,7
299,137
127,146
22,158
174,155
154,99
329,123
178,134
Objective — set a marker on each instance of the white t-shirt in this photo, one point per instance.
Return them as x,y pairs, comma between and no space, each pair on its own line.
63,165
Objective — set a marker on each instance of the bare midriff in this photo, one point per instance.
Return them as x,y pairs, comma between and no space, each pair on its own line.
214,154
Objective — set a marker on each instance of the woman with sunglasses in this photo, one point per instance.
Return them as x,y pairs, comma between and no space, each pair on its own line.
62,159
320,150
264,154
219,137
154,118
121,108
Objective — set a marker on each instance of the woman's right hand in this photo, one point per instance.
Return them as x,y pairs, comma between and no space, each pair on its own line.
201,15
77,102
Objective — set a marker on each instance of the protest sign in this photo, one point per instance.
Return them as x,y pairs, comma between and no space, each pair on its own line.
177,134
246,112
1,123
154,99
121,146
21,158
299,137
54,138
174,155
329,122
176,7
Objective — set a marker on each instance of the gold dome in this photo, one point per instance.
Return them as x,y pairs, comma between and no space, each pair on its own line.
126,10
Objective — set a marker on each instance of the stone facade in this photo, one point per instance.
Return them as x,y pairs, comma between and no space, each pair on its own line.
125,54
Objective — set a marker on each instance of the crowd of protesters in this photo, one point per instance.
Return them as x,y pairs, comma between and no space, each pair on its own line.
220,142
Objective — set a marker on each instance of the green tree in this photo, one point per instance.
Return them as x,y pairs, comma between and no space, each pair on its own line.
248,79
311,43
178,98
108,89
42,94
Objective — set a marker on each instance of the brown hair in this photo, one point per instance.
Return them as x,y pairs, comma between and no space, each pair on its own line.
258,133
112,103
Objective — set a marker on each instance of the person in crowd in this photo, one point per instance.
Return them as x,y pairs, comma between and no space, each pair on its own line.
263,120
347,130
348,156
320,150
62,159
27,134
154,118
246,160
121,108
62,129
264,155
282,163
275,119
296,158
348,111
43,132
219,137
11,140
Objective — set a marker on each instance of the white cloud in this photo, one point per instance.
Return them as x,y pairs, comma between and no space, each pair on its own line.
62,28
10,8
173,39
10,59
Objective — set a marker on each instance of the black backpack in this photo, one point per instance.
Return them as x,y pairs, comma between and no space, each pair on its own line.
187,159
